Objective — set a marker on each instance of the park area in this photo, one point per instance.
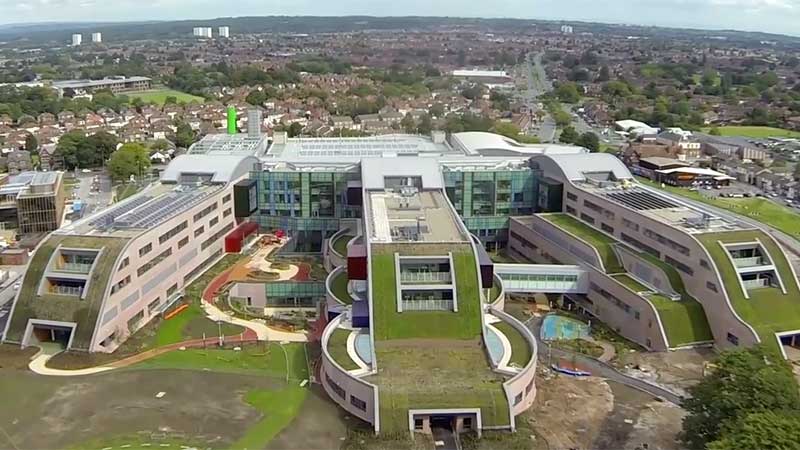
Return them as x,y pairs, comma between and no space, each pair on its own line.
757,132
159,96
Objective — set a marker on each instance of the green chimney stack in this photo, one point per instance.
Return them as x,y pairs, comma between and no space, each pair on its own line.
231,120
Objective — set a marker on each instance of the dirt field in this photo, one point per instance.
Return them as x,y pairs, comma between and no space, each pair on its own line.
319,426
199,408
590,413
674,370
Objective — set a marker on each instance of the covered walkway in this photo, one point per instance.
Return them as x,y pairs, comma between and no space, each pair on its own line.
543,278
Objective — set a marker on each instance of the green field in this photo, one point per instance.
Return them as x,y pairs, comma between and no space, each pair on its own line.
758,208
159,96
755,132
767,310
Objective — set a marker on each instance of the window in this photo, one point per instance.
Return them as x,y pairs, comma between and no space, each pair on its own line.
587,218
607,228
572,196
636,315
335,387
630,224
146,249
678,265
518,399
418,424
172,289
226,213
570,210
173,232
206,211
153,306
153,262
183,242
592,206
704,264
529,388
226,198
358,403
733,339
213,222
199,231
216,236
125,263
711,286
467,423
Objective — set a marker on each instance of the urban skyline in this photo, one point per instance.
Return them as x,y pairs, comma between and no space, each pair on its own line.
775,16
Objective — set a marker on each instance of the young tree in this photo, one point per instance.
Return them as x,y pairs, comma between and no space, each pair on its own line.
32,144
569,135
568,92
101,145
425,125
590,141
130,159
745,381
184,135
408,124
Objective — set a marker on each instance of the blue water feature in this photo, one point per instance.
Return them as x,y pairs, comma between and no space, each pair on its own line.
560,327
494,345
362,347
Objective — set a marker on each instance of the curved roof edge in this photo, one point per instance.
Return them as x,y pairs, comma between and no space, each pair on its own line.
575,167
222,168
489,144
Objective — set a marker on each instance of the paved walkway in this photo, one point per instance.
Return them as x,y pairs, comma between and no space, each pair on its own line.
263,332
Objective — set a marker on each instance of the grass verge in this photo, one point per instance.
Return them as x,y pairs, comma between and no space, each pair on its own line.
337,347
520,349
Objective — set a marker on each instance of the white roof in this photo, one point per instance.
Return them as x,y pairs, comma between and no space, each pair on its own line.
223,168
634,126
576,167
374,170
697,171
481,73
490,144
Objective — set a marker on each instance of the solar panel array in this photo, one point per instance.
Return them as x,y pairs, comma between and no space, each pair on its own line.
640,200
109,217
371,147
160,210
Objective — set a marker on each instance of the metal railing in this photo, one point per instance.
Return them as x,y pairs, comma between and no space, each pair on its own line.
428,305
755,284
425,277
75,267
66,290
749,262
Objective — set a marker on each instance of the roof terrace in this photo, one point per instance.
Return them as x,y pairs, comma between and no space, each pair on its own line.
409,215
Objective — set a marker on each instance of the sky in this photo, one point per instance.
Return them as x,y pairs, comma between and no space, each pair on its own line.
776,16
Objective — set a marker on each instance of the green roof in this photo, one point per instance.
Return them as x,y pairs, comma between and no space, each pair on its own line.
340,244
65,308
436,374
339,288
389,324
521,351
337,347
684,321
431,359
600,241
768,310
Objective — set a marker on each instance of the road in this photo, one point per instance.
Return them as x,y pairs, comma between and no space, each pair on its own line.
547,353
537,84
95,196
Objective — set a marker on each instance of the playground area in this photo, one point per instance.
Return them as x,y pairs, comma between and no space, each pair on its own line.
556,328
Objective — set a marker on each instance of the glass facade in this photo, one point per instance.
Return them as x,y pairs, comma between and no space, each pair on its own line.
485,199
294,293
308,205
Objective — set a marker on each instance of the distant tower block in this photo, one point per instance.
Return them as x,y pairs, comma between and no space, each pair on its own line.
207,33
254,123
97,38
224,32
197,31
77,39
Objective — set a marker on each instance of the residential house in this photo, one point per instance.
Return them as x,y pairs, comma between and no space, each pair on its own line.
19,161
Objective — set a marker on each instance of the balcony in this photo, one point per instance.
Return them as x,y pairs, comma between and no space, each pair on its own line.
754,261
428,305
426,277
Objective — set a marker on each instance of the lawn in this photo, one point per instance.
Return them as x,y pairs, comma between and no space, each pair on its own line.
767,310
339,288
340,244
337,347
389,324
758,208
600,241
263,359
279,409
520,349
159,96
755,132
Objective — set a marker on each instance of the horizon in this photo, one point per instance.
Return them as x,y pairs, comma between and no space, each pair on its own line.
766,16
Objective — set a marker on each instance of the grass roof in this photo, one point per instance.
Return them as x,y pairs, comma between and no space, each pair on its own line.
600,241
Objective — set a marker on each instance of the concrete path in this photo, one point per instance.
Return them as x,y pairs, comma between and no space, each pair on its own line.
263,332
39,361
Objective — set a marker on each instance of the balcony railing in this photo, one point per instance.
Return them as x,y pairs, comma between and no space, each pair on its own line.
427,305
425,277
755,284
66,290
749,262
75,267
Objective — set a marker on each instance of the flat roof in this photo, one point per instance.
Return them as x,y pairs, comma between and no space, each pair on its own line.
64,84
354,149
412,216
374,171
229,144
